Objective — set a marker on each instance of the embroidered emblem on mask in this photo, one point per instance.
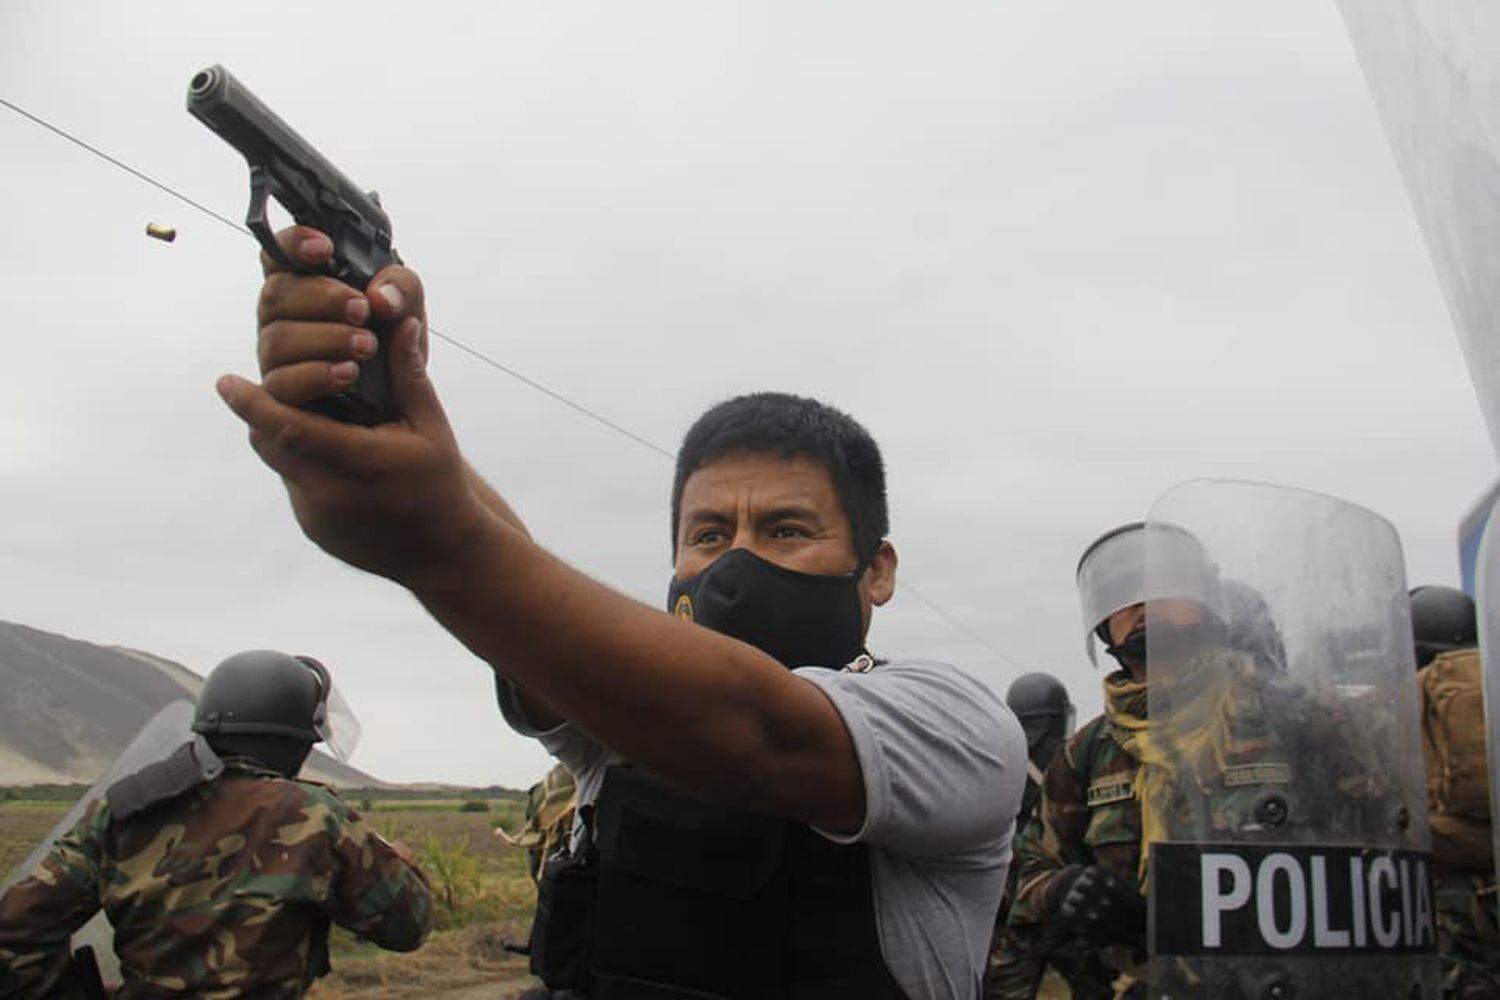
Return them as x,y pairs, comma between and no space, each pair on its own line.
684,608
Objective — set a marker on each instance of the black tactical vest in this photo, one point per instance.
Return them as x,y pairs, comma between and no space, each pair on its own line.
695,900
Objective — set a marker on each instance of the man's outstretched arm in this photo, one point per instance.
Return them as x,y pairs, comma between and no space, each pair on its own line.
710,714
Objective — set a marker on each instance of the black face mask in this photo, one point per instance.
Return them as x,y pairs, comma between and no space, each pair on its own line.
1167,640
1133,646
800,619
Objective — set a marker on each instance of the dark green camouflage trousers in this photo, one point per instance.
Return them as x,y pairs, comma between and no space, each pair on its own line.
1018,962
1468,941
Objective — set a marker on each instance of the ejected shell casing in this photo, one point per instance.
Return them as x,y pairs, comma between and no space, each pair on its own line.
164,233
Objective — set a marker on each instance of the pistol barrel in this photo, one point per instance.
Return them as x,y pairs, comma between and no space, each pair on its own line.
217,99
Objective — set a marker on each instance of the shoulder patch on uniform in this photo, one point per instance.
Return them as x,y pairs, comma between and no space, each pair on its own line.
1272,773
1110,790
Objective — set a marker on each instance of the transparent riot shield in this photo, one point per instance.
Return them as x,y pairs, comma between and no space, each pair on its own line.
1487,604
1284,799
1432,68
167,730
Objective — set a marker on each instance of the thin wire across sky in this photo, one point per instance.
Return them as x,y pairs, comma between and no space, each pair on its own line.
475,353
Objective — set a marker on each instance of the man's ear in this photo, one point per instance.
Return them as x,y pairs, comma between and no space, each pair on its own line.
880,576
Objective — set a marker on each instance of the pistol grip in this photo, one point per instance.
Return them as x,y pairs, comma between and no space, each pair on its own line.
368,401
356,259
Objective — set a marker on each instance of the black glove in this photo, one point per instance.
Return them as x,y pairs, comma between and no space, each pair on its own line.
1098,906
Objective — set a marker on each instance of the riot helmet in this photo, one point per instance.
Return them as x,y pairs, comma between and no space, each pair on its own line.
1442,620
271,699
1251,628
1112,576
1041,702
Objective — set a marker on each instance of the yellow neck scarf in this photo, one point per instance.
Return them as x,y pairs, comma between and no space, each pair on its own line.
1193,746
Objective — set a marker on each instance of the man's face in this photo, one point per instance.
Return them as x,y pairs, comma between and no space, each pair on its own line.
784,510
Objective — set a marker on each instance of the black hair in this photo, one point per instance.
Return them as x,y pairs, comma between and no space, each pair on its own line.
790,426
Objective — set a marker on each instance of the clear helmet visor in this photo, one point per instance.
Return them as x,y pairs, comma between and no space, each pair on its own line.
340,727
333,720
1112,575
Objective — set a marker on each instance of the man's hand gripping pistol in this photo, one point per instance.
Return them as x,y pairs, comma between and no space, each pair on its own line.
284,166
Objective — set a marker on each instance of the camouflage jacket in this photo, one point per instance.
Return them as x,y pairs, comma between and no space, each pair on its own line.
224,891
1088,815
550,804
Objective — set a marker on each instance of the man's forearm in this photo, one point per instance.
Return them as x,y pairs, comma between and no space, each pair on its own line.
541,714
492,501
710,714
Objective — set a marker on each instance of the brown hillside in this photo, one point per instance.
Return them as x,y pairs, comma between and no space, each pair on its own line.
68,707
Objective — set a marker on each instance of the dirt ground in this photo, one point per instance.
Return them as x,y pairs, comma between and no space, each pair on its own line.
454,965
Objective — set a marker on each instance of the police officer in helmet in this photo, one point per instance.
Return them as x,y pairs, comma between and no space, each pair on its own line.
1041,702
1442,621
1017,962
1449,677
1081,876
263,863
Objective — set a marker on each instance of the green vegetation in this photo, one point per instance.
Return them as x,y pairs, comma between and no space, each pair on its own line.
455,872
23,824
483,894
432,793
426,805
42,793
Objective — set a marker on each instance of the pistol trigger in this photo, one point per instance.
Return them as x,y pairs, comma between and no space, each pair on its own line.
255,218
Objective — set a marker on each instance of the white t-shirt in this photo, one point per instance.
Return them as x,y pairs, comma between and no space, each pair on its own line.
944,765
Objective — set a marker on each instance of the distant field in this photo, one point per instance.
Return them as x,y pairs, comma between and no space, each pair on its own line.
494,806
485,897
23,824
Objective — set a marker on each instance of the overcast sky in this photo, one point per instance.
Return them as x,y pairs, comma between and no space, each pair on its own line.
1057,258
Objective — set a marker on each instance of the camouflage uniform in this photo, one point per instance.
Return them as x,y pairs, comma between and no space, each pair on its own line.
1467,936
1090,813
1019,958
1018,961
550,804
1464,876
225,891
